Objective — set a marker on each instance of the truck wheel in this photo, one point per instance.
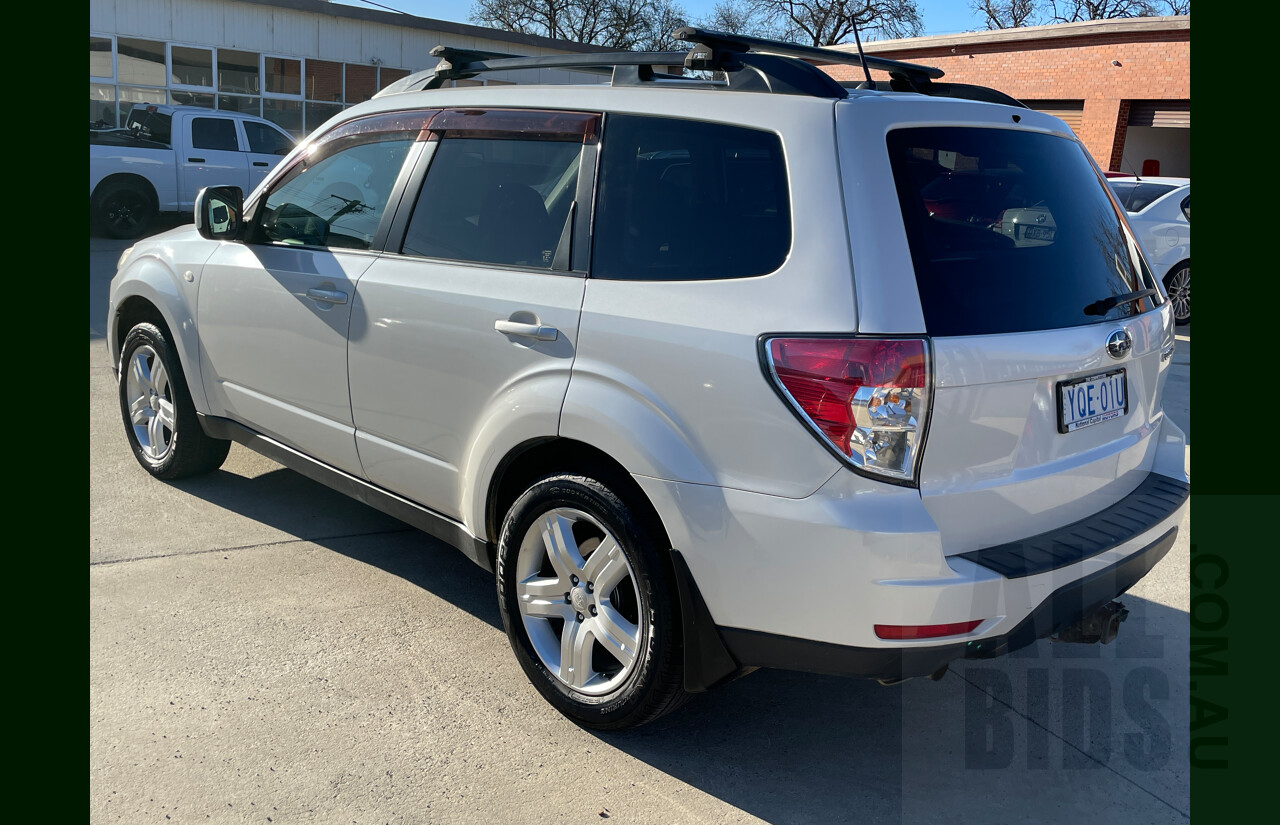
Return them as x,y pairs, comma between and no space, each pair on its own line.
123,209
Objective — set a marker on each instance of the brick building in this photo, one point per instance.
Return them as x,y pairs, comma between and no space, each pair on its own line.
1124,86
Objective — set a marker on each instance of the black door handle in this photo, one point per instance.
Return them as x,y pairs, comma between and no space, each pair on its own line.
260,163
195,160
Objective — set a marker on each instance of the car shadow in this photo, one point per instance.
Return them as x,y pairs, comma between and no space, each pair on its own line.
294,504
798,748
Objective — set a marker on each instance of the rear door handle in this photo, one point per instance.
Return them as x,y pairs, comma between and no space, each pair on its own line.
534,331
195,160
331,296
260,163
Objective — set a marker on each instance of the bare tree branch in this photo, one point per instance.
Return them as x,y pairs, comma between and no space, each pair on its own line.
1007,14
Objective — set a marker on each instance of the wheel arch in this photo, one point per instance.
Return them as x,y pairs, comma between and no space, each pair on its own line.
151,294
130,178
706,660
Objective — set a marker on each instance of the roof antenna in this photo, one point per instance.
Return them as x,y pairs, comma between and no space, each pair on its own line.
869,84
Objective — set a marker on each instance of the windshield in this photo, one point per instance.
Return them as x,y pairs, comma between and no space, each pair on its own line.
1011,231
1136,196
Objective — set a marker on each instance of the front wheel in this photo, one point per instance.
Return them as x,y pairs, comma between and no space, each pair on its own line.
589,604
1178,284
159,419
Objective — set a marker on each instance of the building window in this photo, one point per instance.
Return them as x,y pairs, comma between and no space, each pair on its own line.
141,62
179,97
100,57
362,83
287,114
324,80
318,113
282,75
192,66
102,106
388,76
241,103
237,72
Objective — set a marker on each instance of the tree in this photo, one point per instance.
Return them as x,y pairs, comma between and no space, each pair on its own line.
1073,11
1007,14
828,22
618,24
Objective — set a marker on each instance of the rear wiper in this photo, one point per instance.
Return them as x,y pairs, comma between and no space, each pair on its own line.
1107,304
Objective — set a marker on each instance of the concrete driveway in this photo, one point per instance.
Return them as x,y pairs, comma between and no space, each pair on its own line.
265,650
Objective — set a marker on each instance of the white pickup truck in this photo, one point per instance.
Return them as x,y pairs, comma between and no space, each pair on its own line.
166,154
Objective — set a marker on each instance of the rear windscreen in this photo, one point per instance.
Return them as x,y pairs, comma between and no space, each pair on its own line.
1011,231
150,125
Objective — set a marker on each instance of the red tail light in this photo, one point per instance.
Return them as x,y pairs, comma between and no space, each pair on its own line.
925,631
868,397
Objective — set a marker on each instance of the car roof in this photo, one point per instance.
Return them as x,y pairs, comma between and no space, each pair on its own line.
1144,179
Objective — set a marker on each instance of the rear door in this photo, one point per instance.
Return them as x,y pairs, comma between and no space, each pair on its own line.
471,318
212,156
1047,380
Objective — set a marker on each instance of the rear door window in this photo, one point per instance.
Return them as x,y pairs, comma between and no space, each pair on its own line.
497,199
689,200
217,133
1011,231
265,140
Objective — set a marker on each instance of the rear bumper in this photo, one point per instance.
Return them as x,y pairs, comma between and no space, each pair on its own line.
1062,608
801,583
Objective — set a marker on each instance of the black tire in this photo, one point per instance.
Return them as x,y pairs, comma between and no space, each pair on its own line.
176,451
654,685
123,209
1178,285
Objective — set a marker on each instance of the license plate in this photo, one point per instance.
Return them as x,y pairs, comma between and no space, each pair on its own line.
1038,233
1084,402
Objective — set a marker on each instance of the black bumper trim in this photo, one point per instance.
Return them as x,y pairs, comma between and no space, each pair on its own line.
1150,503
752,648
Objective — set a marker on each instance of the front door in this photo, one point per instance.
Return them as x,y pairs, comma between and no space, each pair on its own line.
471,326
274,311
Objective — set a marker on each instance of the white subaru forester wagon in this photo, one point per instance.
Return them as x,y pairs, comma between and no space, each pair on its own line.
742,369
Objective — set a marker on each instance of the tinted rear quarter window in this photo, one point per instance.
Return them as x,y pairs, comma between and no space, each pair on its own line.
1010,231
1135,197
689,200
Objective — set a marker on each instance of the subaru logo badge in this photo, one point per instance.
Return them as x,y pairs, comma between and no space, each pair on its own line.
1119,343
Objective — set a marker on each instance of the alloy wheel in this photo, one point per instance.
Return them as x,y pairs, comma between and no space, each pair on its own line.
151,408
579,601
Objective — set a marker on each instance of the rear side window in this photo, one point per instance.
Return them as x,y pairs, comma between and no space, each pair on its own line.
217,133
265,140
1010,231
1135,197
687,200
495,201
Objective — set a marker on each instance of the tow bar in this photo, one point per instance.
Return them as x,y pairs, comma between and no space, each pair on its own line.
1100,625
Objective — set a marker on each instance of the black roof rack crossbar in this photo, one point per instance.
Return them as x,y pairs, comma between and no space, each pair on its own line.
739,43
748,63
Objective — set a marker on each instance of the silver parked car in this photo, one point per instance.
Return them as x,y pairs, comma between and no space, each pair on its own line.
711,374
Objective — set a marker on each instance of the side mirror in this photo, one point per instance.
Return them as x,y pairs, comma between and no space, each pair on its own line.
218,212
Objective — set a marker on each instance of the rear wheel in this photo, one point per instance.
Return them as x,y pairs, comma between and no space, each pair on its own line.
1178,284
159,419
589,605
124,210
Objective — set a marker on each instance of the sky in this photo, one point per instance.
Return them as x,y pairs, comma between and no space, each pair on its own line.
940,16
